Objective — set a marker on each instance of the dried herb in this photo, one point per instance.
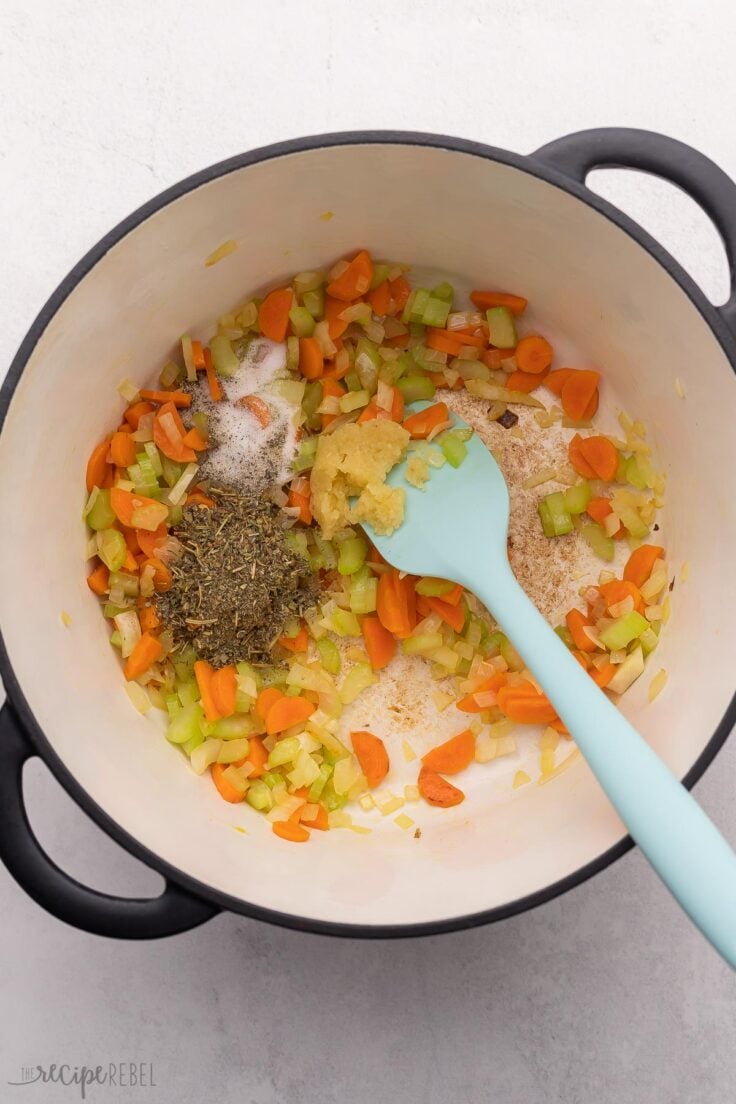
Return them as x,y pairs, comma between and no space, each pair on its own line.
237,581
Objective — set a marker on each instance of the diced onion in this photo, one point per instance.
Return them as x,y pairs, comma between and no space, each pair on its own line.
223,250
325,342
138,696
129,627
656,686
205,755
129,390
179,490
544,476
144,432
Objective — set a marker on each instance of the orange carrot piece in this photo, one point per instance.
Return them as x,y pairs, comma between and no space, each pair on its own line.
603,675
273,314
146,652
380,298
318,820
556,380
525,705
577,392
469,703
336,326
178,398
355,280
311,359
618,590
437,791
168,435
193,439
224,689
224,788
258,408
454,616
483,300
601,456
99,580
422,423
331,387
444,342
295,644
198,358
453,756
525,381
198,498
266,698
257,756
97,465
135,412
400,292
216,392
599,509
396,603
149,619
453,596
576,623
370,751
287,712
379,643
162,577
534,354
461,337
125,503
287,830
640,563
295,498
130,563
577,458
203,673
122,450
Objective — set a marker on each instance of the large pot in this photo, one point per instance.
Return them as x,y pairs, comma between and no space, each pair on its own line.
526,223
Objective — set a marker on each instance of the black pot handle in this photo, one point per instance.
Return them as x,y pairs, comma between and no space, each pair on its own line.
626,148
65,898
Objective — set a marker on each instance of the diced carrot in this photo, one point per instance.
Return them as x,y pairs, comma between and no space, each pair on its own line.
421,424
178,398
641,562
131,539
355,280
215,387
122,450
462,337
224,689
576,623
135,412
370,751
317,820
380,298
601,676
287,712
396,413
437,791
396,603
399,341
168,435
130,563
331,387
311,359
336,326
577,458
258,408
469,703
193,439
534,354
523,704
273,314
162,577
525,381
578,391
453,596
400,292
198,498
97,465
151,541
266,698
294,833
556,380
144,655
599,509
484,300
618,590
125,503
304,502
379,643
295,644
600,455
203,673
257,756
149,619
224,788
454,616
583,658
444,342
453,756
99,580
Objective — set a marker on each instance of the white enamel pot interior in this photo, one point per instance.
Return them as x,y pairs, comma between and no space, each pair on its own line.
482,219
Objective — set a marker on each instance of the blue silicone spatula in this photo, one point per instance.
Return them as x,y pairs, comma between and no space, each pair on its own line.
456,528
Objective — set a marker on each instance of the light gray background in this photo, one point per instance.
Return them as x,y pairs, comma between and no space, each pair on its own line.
606,995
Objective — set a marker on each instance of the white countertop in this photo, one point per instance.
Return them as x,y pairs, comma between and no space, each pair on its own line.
606,995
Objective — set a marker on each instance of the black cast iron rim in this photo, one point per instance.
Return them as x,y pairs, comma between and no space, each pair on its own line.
31,728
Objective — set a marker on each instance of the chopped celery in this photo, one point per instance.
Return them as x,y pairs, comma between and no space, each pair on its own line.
358,679
310,402
171,470
173,705
170,374
345,623
435,312
351,555
352,381
189,746
444,291
369,349
565,635
292,353
272,779
329,655
285,751
186,724
176,513
501,327
510,654
326,551
493,641
236,727
416,387
302,321
598,540
224,360
380,273
363,592
259,796
331,800
627,672
116,639
110,609
297,538
325,774
154,457
188,692
111,548
623,631
453,448
634,474
631,521
354,400
578,497
101,514
434,588
553,513
314,301
305,455
648,641
415,305
127,582
620,476
273,676
422,642
232,751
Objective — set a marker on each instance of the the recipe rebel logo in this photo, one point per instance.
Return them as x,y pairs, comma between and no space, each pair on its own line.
121,1075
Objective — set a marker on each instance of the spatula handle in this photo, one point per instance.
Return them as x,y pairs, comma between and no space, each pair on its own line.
685,848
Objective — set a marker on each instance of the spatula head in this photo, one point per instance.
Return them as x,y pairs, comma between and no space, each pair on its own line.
457,523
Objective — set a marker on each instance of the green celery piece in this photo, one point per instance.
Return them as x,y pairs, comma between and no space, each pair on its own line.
271,778
128,582
444,291
285,751
548,526
351,380
102,515
259,796
422,642
202,423
380,273
314,301
352,554
416,387
559,518
620,476
510,654
224,360
155,457
327,552
302,321
234,750
173,705
116,639
599,541
501,327
331,800
565,635
324,776
631,521
369,349
623,631
329,656
306,453
418,305
453,448
193,743
297,538
363,592
405,364
112,549
236,727
436,312
171,470
358,679
176,513
111,610
186,724
634,475
345,623
311,400
578,497
434,588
